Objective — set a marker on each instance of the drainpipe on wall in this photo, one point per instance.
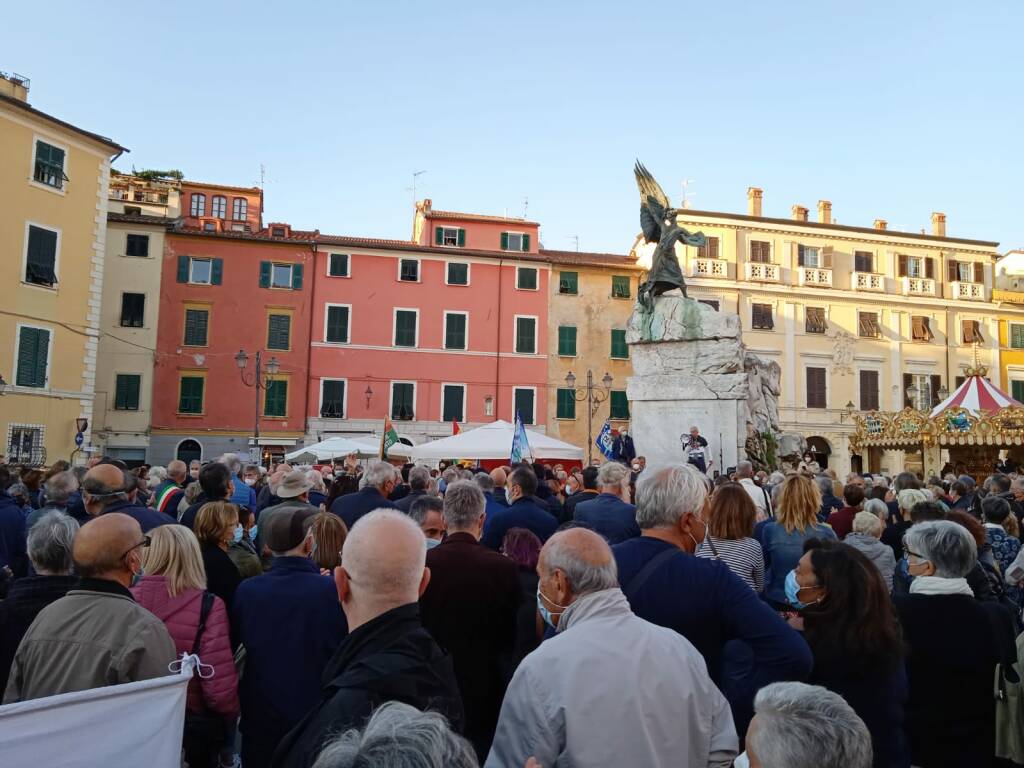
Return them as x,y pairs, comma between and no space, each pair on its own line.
497,350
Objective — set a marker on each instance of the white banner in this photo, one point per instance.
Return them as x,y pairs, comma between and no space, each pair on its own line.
135,724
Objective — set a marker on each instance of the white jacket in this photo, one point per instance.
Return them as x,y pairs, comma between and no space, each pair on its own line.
613,689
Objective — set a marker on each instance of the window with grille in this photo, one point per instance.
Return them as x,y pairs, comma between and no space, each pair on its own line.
126,391
569,283
41,259
332,401
814,320
49,168
526,335
239,209
514,241
526,278
1016,336
33,357
453,398
275,401
620,350
458,273
136,245
761,317
620,287
760,251
454,331
567,340
920,328
197,323
409,270
133,310
405,327
191,397
709,250
971,332
402,405
863,261
279,328
869,390
618,407
338,265
523,401
565,404
198,205
816,395
337,325
867,324
219,206
25,445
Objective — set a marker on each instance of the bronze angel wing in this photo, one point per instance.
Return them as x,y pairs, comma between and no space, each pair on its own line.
653,203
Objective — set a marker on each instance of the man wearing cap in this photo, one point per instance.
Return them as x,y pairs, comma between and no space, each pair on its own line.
289,621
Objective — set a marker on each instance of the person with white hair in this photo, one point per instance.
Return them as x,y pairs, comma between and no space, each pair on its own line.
243,495
805,726
610,513
653,703
702,599
388,655
758,494
57,492
895,530
419,483
377,482
867,530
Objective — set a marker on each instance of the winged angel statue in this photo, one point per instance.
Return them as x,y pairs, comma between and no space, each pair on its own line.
658,222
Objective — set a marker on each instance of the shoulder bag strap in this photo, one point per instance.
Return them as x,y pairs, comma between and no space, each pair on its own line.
204,614
645,573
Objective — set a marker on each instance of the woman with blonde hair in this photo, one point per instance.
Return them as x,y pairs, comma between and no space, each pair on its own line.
174,590
329,533
782,540
215,529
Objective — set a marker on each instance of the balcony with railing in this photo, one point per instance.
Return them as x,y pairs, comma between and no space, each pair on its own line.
967,291
918,286
702,267
761,272
816,277
868,281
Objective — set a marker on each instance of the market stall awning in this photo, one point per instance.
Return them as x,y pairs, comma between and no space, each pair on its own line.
338,447
977,395
494,441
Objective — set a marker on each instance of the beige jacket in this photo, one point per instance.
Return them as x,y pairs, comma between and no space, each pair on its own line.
94,636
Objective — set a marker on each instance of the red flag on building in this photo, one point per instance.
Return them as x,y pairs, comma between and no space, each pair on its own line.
455,427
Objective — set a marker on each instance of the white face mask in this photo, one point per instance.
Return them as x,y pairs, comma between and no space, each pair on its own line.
636,467
250,481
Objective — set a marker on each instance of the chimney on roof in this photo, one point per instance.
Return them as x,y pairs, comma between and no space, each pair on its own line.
14,86
799,213
881,224
939,224
824,212
754,196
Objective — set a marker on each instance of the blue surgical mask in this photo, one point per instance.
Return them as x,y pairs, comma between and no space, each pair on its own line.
793,592
252,533
239,531
431,543
545,613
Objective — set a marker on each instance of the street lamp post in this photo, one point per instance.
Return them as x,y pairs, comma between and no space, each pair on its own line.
593,396
258,381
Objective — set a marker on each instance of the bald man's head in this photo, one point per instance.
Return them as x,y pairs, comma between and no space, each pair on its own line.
498,476
103,485
382,565
108,548
574,563
177,470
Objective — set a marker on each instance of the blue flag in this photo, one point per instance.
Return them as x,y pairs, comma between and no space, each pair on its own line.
605,440
521,450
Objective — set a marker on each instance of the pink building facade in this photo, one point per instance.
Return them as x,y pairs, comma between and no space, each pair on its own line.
449,326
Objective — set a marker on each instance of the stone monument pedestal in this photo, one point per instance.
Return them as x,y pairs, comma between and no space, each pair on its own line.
690,368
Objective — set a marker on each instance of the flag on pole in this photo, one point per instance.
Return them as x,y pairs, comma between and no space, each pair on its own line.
389,438
521,450
455,427
605,441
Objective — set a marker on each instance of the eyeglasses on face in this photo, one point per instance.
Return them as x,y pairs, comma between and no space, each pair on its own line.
144,543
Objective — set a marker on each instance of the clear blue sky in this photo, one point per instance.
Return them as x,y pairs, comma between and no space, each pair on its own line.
889,109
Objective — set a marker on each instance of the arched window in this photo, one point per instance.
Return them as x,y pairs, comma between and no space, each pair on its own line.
198,205
220,206
189,450
241,209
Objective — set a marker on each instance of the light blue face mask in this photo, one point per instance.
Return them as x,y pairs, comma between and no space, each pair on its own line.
793,592
239,532
252,532
545,613
431,543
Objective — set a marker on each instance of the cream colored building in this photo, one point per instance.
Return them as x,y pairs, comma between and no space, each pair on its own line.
855,316
140,210
53,183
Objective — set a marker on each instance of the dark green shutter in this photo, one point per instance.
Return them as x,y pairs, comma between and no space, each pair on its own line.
276,401
333,402
504,241
462,238
296,277
196,327
33,346
567,340
405,329
619,405
126,388
523,401
566,404
455,332
191,400
439,235
402,406
453,402
526,335
278,332
620,350
183,269
337,324
526,243
266,268
217,271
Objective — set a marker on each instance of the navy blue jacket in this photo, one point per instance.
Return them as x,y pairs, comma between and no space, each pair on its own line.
405,503
291,623
623,450
352,506
76,507
493,507
148,518
711,607
608,515
12,535
522,513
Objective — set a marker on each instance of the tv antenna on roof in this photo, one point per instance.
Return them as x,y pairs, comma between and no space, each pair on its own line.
526,206
415,176
685,202
576,239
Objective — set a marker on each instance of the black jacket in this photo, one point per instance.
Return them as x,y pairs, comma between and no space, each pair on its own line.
26,598
353,506
390,658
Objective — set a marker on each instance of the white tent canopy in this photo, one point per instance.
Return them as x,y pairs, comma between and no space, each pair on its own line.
493,441
339,447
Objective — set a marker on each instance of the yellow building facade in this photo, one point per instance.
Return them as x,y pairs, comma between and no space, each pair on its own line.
1008,296
53,180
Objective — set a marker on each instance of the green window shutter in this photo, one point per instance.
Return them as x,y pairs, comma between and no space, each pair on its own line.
402,406
455,332
266,268
569,283
333,404
566,404
567,340
504,241
275,402
526,243
197,323
33,346
620,350
337,325
296,277
526,335
191,400
523,403
620,287
462,238
216,271
453,398
438,235
279,332
405,329
619,405
1017,336
126,388
183,269
1017,390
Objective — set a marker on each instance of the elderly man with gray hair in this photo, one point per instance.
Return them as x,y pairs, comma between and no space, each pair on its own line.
375,486
702,599
57,491
609,688
419,482
49,550
610,513
470,608
805,726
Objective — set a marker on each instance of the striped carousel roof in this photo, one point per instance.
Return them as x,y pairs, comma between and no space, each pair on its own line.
977,395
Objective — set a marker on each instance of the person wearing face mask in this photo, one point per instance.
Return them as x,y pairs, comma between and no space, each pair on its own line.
242,494
215,529
623,450
634,712
745,643
96,635
242,549
428,513
216,484
107,489
522,511
375,486
194,468
290,623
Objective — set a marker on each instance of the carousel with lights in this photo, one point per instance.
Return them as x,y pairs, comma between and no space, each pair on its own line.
969,429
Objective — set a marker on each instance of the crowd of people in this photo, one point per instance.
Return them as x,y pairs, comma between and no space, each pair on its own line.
530,615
